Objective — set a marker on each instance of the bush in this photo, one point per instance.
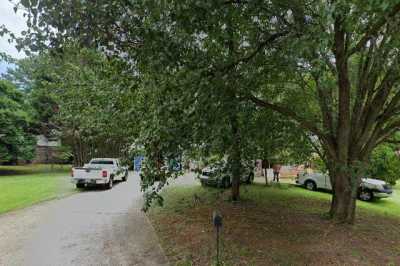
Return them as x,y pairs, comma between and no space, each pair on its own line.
384,164
318,164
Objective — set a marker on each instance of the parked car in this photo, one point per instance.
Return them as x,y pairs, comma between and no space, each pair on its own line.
217,175
369,188
99,171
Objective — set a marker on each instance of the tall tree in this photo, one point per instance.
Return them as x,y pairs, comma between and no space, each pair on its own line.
16,140
331,66
178,39
347,62
76,96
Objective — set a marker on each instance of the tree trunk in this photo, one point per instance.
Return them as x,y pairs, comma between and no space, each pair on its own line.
235,188
264,170
236,172
343,204
77,147
235,158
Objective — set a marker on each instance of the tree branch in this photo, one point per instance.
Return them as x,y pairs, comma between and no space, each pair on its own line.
287,112
343,82
259,48
373,29
325,107
362,90
392,141
307,125
380,135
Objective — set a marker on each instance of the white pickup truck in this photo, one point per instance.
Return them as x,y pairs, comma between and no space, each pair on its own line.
99,171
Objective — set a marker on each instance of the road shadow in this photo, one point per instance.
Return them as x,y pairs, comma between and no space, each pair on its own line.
99,188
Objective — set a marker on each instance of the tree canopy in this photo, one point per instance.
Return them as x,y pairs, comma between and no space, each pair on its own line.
16,140
205,67
81,97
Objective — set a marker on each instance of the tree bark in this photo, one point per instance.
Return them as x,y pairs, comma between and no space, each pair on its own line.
235,158
345,188
77,148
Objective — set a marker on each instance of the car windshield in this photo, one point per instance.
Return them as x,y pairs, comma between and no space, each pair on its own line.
101,162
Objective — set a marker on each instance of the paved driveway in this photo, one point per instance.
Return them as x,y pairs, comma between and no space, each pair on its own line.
95,227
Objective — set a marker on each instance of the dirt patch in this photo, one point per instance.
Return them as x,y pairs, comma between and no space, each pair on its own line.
289,232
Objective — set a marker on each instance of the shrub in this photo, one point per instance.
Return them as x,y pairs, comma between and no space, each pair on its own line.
385,164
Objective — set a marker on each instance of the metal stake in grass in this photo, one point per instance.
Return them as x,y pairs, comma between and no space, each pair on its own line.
217,221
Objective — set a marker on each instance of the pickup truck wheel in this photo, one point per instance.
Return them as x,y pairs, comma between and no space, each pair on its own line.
125,177
110,183
365,195
310,185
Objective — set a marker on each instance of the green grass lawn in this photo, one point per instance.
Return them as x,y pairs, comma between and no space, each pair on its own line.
389,206
277,225
22,186
284,192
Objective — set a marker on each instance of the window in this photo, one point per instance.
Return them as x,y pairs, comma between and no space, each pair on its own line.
101,162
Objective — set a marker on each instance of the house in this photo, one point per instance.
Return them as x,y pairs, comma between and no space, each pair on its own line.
47,149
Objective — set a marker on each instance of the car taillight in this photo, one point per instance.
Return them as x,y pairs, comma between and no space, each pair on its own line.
104,173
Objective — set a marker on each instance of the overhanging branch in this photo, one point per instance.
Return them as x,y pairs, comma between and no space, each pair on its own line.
307,125
271,39
373,29
286,112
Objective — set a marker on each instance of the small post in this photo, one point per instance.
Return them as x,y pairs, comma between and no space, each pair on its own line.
217,221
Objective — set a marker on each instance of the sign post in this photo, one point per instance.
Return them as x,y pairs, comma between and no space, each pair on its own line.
217,221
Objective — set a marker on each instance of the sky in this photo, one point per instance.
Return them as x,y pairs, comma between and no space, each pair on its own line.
15,23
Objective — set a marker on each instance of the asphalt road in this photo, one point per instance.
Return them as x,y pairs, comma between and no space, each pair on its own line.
95,227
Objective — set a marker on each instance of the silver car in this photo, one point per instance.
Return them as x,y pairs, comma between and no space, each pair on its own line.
214,176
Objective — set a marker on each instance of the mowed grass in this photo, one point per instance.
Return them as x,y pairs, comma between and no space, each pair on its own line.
278,225
386,206
389,206
22,186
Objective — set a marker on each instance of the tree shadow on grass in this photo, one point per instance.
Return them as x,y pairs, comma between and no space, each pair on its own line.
273,226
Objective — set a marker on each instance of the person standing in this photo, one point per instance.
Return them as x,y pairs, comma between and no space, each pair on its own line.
277,169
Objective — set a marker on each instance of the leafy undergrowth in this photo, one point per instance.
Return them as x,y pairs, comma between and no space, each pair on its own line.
279,225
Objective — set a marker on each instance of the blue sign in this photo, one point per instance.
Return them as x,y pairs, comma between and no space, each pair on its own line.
137,163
